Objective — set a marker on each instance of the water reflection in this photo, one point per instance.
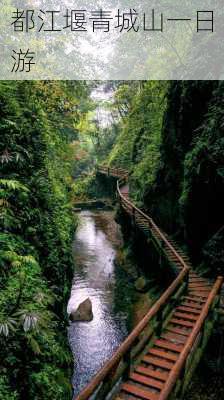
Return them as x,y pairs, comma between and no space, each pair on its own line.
96,276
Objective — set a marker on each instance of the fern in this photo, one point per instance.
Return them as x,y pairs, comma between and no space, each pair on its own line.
18,260
13,185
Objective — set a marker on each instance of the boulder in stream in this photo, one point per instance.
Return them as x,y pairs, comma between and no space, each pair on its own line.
83,313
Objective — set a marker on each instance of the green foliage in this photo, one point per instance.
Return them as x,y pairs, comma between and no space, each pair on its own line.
170,139
83,188
42,381
12,185
37,122
5,390
137,146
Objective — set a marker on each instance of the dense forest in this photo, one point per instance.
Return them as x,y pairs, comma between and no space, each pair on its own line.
36,124
170,138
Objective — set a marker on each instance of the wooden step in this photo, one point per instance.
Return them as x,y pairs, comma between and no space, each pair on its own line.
179,331
135,390
200,287
181,256
165,344
187,316
163,354
192,305
181,322
172,257
146,380
158,362
194,299
170,252
199,292
174,337
153,373
188,309
202,295
197,285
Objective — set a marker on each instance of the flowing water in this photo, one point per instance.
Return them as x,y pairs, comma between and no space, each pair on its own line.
108,286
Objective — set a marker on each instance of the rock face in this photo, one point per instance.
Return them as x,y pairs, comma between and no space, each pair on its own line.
83,313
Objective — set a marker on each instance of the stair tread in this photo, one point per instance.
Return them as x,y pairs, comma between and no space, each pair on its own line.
163,354
194,299
200,284
174,337
182,322
179,331
184,315
143,394
168,345
202,295
188,309
162,376
145,380
159,362
193,305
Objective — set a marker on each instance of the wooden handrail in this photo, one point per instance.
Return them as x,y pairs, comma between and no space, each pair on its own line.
152,223
175,372
129,341
197,329
118,171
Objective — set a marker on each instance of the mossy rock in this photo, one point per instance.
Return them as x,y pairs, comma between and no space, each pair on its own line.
141,284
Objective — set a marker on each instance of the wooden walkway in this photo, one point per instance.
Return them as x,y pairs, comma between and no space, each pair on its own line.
157,360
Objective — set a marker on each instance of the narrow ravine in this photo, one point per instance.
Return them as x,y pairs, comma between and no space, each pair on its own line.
97,241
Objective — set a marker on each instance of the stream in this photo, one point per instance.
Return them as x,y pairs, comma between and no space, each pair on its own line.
96,244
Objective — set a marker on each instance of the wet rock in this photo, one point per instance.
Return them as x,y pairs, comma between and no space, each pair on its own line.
141,284
83,313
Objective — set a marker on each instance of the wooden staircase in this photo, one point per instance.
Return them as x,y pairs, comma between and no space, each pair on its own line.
171,337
